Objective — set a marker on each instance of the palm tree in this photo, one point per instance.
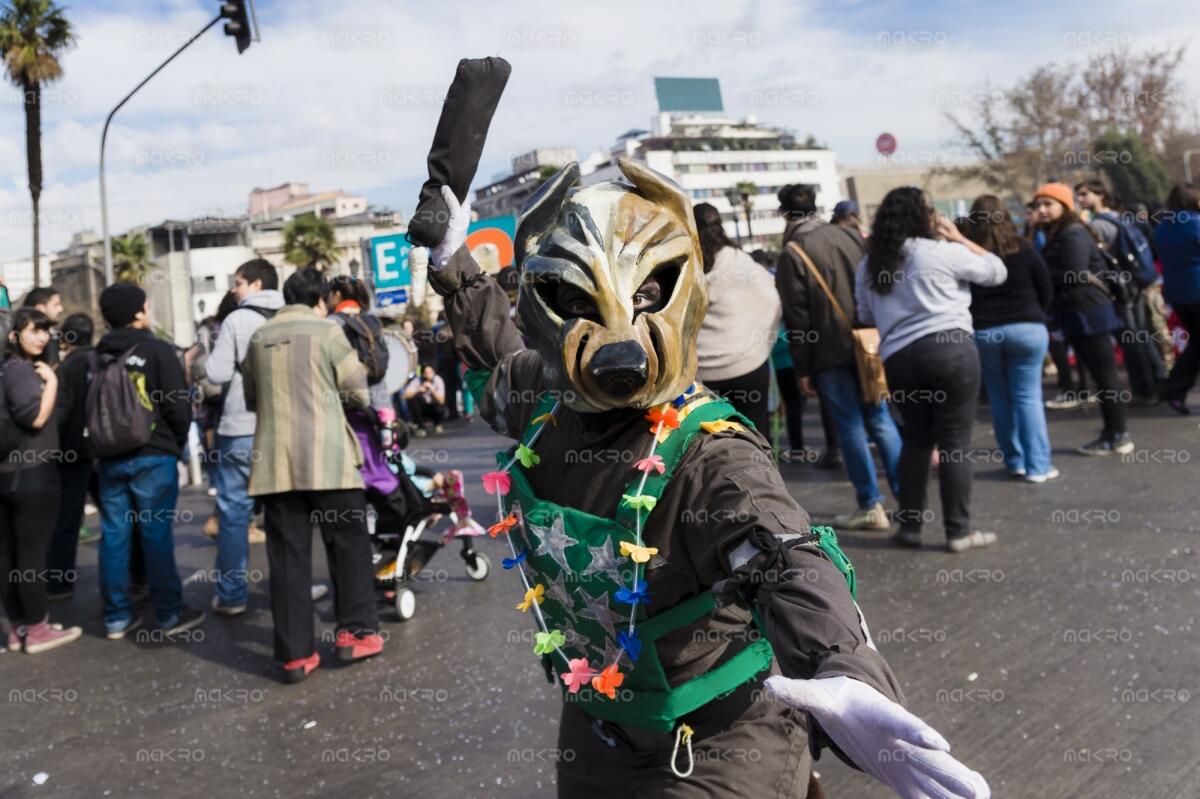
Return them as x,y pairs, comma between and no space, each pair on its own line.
33,34
309,241
131,258
747,189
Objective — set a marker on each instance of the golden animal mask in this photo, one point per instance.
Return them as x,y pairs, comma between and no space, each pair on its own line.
612,288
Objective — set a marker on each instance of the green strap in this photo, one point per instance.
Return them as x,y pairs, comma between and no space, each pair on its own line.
476,381
672,451
676,617
661,710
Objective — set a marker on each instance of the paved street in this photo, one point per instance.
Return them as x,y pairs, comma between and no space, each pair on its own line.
1064,662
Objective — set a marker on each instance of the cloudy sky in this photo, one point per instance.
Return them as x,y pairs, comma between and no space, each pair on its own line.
346,93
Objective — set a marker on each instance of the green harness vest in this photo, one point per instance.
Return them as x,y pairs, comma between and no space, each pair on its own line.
575,555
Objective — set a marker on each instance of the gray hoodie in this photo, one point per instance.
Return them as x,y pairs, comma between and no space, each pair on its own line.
222,366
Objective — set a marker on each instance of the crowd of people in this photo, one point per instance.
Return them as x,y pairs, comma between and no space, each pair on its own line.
956,311
111,423
962,310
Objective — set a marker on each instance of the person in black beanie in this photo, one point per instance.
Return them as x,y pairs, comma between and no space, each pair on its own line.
142,484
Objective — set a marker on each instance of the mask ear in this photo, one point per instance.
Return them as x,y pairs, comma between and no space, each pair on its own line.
542,208
658,188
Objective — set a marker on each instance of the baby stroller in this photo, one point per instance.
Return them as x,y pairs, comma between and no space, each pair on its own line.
412,513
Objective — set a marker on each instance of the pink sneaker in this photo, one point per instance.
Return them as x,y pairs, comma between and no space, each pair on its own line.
43,636
15,632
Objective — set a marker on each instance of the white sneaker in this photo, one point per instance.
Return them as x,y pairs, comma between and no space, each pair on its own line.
872,518
1041,478
971,541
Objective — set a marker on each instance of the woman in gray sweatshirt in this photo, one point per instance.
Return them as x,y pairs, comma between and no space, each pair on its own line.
914,285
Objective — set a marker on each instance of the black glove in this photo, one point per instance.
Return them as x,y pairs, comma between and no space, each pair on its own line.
458,143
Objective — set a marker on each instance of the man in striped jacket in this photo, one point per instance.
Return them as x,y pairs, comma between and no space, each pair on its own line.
299,372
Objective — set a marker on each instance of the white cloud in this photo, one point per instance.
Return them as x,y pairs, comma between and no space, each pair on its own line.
347,94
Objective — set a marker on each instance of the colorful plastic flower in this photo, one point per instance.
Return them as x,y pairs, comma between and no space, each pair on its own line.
638,595
608,681
651,463
638,553
668,417
527,457
509,563
503,526
578,676
497,482
630,643
532,595
545,643
640,502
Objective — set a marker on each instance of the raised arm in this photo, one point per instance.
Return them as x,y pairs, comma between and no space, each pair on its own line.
503,376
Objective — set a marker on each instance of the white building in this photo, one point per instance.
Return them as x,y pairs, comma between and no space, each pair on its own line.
709,154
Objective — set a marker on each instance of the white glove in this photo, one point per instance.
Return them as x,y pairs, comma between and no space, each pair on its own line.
882,738
456,229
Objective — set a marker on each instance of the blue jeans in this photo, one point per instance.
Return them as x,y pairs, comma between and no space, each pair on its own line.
141,491
1010,357
234,510
839,391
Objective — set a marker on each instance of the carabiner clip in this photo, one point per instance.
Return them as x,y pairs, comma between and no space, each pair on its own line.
683,732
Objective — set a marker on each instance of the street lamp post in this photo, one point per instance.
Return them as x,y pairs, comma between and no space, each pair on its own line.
240,14
108,263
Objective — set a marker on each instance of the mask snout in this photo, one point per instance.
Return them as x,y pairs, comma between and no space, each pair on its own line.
620,369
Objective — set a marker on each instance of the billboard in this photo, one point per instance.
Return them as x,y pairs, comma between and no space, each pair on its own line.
491,241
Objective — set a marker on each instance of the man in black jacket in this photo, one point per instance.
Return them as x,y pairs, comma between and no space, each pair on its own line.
822,349
142,486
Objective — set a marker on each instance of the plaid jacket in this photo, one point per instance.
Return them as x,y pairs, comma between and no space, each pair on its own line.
298,373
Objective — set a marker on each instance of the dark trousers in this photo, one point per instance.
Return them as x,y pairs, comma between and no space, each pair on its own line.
793,401
1060,353
1187,365
762,753
342,516
26,523
1096,354
1143,362
423,413
75,479
448,370
748,395
934,384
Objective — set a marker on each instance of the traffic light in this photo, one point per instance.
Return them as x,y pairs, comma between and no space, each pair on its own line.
238,25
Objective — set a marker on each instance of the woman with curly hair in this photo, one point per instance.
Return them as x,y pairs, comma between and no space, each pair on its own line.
914,285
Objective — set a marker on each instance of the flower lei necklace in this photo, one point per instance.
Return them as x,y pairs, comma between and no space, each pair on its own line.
579,673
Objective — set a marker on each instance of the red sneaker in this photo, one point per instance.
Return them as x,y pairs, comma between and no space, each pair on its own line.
351,647
296,670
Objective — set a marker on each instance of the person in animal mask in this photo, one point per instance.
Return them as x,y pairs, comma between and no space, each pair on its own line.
680,596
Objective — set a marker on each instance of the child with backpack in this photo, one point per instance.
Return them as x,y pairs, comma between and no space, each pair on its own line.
29,484
138,414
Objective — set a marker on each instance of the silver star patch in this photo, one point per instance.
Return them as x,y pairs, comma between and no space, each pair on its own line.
605,561
553,541
598,610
